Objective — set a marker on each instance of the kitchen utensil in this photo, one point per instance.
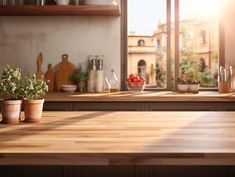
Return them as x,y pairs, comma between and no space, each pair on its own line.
63,73
39,73
49,76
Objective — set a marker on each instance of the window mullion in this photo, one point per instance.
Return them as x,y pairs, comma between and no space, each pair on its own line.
176,42
168,44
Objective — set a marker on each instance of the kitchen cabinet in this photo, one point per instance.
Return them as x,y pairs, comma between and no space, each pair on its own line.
109,106
56,10
148,101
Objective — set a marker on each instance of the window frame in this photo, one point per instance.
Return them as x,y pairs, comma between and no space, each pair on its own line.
124,44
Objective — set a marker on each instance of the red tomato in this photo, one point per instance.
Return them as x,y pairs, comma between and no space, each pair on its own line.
131,84
129,80
135,79
142,79
138,78
139,85
131,76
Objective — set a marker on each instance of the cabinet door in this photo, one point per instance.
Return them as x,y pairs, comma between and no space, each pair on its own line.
110,106
180,106
58,106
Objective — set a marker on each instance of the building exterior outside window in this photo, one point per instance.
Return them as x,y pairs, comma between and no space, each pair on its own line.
141,43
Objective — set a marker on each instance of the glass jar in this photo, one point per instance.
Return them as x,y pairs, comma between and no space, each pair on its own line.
107,86
114,82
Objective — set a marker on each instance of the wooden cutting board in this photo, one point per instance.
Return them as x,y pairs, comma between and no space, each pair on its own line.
39,73
63,73
49,77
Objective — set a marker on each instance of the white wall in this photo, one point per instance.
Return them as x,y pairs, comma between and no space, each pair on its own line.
22,38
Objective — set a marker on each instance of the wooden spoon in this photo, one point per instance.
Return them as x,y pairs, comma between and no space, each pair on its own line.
39,73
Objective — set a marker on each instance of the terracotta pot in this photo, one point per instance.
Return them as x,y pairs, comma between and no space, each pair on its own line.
33,110
81,86
182,88
194,88
11,111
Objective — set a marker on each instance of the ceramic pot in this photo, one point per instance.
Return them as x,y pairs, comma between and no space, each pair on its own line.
82,86
194,88
62,2
100,2
182,88
11,111
33,110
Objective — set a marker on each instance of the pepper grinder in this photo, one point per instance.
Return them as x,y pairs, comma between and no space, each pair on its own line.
91,74
99,75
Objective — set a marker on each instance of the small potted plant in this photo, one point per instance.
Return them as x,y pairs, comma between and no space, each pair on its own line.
11,92
193,86
182,85
34,90
80,78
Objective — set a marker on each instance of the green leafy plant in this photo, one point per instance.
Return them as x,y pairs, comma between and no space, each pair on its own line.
78,75
181,81
34,88
11,87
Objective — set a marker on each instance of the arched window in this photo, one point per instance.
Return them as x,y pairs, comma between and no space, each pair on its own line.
203,37
202,65
141,43
159,43
142,68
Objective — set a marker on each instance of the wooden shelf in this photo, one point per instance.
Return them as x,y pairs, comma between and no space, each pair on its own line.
54,10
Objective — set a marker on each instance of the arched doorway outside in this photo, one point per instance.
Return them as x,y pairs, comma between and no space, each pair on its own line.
142,67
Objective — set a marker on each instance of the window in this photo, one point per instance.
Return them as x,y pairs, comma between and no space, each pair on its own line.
203,37
158,43
176,53
141,43
141,68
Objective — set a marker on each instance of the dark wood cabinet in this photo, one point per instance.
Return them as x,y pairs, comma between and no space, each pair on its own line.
139,106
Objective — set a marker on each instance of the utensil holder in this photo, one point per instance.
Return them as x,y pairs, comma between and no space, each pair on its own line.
224,87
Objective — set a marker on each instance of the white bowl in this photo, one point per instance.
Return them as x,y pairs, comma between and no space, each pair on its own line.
62,2
69,88
100,2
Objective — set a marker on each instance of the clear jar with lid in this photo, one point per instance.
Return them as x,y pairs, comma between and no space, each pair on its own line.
114,82
107,85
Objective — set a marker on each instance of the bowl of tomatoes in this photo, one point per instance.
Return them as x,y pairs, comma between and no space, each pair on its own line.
135,83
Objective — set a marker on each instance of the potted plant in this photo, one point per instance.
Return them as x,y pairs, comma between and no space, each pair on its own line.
11,92
34,90
182,85
80,78
193,86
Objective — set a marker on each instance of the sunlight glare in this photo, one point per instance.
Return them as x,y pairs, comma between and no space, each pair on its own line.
206,8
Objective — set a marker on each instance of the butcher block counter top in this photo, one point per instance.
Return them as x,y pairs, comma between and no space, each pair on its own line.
147,96
121,138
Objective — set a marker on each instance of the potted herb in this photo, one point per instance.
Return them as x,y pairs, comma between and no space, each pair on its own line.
11,91
34,90
193,86
80,78
182,85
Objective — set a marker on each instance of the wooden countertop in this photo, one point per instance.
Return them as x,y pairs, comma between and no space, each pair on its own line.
121,138
203,96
